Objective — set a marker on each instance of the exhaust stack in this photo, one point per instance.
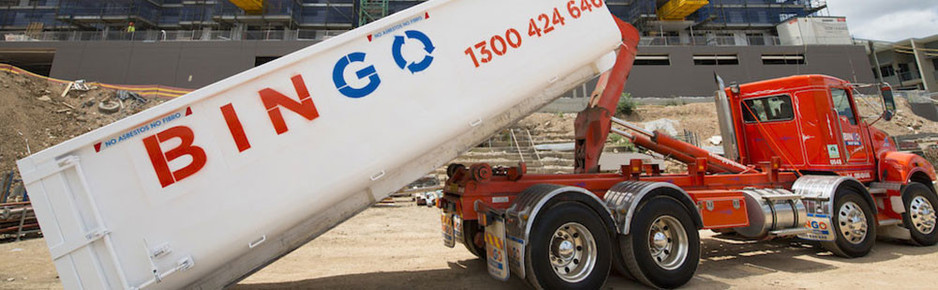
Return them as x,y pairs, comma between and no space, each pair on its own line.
727,130
725,117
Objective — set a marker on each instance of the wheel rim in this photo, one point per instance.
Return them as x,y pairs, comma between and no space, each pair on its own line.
923,215
572,252
667,242
853,227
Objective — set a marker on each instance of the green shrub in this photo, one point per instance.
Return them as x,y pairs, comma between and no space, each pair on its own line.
626,105
673,102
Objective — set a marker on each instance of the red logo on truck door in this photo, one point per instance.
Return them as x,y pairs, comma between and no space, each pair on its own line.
160,159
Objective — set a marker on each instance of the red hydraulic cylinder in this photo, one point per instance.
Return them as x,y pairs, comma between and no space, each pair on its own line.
715,161
592,124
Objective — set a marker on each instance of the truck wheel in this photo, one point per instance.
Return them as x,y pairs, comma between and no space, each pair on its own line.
854,226
569,248
662,249
919,216
473,239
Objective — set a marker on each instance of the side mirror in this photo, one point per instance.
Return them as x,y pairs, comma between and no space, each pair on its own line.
889,102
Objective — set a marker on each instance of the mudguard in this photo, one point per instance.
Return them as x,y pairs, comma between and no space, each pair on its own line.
522,213
624,198
818,193
902,167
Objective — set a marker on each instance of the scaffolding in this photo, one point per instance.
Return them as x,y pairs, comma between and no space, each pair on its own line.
249,6
680,9
371,10
650,15
647,15
744,14
102,15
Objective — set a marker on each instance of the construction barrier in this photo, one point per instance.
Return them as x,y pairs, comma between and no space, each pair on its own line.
149,91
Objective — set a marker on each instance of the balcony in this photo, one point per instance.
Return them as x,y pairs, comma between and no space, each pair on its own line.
118,15
906,76
701,40
174,35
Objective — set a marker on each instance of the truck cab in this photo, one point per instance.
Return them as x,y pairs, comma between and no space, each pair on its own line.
813,123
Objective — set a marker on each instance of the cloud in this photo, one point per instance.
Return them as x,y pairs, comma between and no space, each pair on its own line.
889,20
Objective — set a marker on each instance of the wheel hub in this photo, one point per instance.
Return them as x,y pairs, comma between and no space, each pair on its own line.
572,252
566,249
853,225
660,241
667,242
922,214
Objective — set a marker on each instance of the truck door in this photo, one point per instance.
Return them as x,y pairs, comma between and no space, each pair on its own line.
772,130
854,145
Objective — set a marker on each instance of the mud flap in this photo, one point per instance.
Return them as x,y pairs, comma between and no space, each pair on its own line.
821,228
457,228
516,256
447,220
495,250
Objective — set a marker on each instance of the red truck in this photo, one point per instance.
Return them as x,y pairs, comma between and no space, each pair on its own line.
799,161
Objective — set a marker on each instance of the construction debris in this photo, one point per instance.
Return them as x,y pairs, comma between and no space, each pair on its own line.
68,88
125,95
664,125
715,140
109,106
30,111
81,86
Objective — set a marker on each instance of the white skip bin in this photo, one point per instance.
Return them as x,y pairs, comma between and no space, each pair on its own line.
207,188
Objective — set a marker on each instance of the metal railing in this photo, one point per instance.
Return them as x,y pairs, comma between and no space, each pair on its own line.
701,40
908,76
171,35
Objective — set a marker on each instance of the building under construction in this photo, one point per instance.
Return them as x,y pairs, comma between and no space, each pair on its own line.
715,22
192,43
653,17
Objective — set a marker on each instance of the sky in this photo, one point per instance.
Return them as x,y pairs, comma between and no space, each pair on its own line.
889,20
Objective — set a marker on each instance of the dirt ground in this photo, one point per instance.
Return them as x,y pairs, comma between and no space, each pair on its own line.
400,247
34,115
701,118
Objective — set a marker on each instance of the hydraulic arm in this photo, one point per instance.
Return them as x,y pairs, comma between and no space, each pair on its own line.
593,123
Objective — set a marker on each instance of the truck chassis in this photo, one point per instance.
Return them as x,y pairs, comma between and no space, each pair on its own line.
569,230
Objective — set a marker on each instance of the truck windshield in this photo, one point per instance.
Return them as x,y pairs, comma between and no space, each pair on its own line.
773,108
842,105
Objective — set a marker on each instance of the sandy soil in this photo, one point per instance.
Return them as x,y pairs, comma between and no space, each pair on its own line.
34,115
701,119
399,247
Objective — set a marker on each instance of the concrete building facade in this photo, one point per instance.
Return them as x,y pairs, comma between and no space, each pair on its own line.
190,44
909,64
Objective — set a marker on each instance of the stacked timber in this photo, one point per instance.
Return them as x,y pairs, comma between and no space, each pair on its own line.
17,219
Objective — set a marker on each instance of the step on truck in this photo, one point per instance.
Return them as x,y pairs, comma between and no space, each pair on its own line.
207,188
799,161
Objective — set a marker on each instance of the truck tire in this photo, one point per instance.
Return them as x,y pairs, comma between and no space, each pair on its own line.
569,248
854,226
919,216
662,249
472,235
